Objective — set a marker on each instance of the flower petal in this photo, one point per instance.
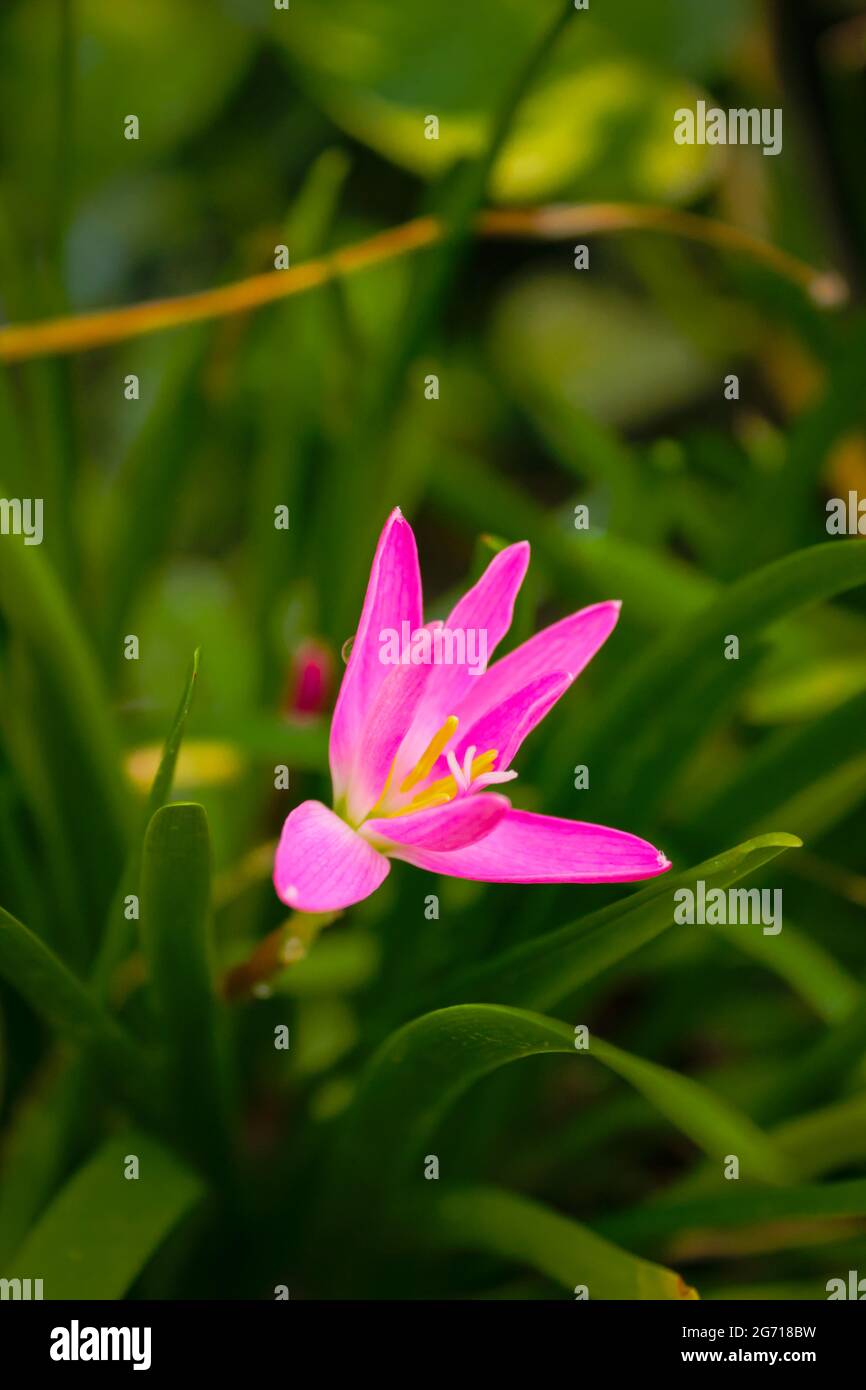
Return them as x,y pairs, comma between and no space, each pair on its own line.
486,608
506,725
384,728
459,823
568,645
527,848
322,863
393,597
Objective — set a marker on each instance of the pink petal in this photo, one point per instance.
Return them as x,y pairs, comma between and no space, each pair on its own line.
506,725
393,597
487,607
526,848
384,728
568,645
459,823
322,863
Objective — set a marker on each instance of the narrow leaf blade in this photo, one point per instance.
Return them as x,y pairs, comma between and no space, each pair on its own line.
516,1228
547,969
101,1230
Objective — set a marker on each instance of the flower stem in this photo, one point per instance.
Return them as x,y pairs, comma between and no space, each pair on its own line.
284,946
82,332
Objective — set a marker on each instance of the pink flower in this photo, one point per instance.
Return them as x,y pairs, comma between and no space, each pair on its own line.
417,746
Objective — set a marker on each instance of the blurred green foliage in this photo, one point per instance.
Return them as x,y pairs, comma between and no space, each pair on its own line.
305,1166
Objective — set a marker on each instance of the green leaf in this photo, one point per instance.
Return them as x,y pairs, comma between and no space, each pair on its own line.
118,933
827,1138
543,971
805,1290
737,1206
60,915
157,60
423,1068
691,716
597,109
458,196
820,1068
144,500
176,931
64,1003
40,1142
714,1125
99,1233
814,1144
626,733
781,501
117,939
557,339
655,588
16,853
828,800
161,788
515,1228
805,966
36,1142
783,768
676,34
76,728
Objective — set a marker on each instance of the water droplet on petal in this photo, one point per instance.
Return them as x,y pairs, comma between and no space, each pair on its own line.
346,649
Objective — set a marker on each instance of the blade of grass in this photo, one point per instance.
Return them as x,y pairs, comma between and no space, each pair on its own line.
514,1228
118,933
146,492
681,656
37,609
28,1178
64,1003
654,588
99,1233
422,1069
820,1068
781,768
825,1139
650,1225
61,921
37,1141
826,986
175,925
545,970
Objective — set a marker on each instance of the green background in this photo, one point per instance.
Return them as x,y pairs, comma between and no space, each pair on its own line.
262,1168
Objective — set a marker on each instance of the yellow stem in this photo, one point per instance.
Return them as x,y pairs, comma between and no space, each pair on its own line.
82,332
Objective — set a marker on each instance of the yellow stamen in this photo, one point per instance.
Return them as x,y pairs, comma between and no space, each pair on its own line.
424,765
423,803
445,787
484,763
374,810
